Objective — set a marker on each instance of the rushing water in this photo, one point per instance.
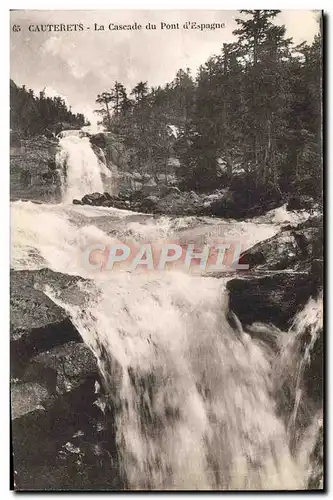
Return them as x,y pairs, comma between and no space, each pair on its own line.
197,399
79,168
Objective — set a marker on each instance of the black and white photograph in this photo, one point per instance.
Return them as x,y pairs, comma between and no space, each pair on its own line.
167,250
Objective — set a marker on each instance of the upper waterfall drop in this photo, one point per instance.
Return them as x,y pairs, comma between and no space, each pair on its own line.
79,167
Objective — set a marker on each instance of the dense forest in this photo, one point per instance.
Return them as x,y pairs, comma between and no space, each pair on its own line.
31,115
251,116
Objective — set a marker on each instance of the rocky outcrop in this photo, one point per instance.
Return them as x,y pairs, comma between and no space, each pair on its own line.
62,422
170,200
284,272
37,323
103,200
33,170
114,151
166,200
293,248
271,299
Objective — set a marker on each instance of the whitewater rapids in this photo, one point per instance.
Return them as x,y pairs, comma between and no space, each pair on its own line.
196,398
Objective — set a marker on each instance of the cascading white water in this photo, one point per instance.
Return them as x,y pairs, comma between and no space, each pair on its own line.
80,169
195,397
196,410
305,422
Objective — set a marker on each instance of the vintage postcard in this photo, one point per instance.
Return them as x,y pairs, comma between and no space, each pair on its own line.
166,184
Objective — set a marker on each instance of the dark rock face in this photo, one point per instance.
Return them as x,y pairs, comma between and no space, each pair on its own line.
62,422
67,445
297,256
37,323
316,480
314,370
165,200
33,174
236,201
245,199
290,249
63,368
103,200
27,397
271,299
98,140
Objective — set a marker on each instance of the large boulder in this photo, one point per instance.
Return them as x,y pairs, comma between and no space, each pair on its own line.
103,200
284,272
95,199
290,249
67,445
63,368
62,420
244,198
271,299
36,323
27,397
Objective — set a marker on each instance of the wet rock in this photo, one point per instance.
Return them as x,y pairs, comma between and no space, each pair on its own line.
26,398
292,249
271,299
244,199
314,370
62,415
70,445
30,309
37,324
95,199
103,200
316,220
98,140
168,200
63,368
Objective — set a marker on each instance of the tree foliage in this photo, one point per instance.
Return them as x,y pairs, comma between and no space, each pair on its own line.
31,115
253,110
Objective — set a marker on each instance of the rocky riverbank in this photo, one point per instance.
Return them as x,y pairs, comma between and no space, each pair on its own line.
62,427
170,200
284,272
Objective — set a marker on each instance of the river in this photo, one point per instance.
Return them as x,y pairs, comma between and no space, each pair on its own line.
197,397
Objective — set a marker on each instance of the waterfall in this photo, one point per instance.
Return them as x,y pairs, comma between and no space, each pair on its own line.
296,368
197,400
79,168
